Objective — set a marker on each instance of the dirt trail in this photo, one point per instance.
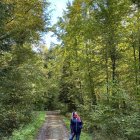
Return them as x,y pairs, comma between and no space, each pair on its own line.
53,128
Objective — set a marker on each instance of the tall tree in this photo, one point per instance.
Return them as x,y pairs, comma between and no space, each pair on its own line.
21,69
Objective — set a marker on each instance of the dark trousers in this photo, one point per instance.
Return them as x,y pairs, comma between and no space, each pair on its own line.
72,135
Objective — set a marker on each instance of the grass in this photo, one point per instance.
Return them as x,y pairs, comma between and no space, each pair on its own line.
84,135
29,131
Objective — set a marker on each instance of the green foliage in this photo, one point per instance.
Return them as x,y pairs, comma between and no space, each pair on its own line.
29,131
21,69
53,65
96,69
115,116
101,65
19,24
22,84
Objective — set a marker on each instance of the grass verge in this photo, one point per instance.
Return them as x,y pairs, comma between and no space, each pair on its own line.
29,131
84,135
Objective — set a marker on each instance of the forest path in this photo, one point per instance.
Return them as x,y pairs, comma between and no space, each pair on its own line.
53,128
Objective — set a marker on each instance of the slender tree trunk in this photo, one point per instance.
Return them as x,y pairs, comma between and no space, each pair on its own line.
78,82
75,46
136,44
113,58
139,68
90,77
112,51
113,69
139,53
138,89
137,62
107,74
135,66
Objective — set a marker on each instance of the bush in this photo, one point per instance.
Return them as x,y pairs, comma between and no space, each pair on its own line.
29,131
114,117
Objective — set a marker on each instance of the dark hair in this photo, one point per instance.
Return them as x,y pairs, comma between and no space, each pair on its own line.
73,113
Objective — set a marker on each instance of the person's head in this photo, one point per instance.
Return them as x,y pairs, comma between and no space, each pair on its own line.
75,115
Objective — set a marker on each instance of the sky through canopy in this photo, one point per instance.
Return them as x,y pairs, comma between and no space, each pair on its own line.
58,6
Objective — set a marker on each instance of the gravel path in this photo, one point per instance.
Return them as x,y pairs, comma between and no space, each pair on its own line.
53,128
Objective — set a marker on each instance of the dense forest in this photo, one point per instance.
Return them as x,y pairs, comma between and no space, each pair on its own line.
22,73
95,70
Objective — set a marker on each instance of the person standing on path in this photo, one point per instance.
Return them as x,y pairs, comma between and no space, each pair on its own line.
76,125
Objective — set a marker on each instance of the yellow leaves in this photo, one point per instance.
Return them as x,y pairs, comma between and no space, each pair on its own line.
77,7
24,13
25,17
123,46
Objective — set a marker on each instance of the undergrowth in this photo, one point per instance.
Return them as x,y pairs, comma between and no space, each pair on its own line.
29,131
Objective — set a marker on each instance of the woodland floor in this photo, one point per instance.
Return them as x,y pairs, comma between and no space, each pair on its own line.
53,128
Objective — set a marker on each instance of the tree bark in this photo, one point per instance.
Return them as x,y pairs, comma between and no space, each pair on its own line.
90,77
135,67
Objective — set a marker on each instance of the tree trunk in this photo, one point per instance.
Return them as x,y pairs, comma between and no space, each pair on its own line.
90,77
138,4
107,74
135,67
113,69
